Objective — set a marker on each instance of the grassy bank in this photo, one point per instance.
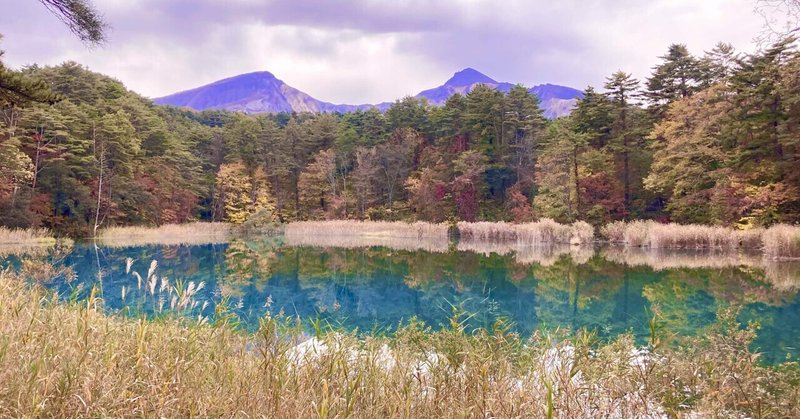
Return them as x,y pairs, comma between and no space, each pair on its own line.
544,231
778,241
27,236
341,228
782,242
169,234
352,234
31,241
69,360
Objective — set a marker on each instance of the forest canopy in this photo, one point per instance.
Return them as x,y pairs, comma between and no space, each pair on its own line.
705,139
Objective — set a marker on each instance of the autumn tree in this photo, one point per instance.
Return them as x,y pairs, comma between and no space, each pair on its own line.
559,175
242,193
689,157
320,195
395,162
468,186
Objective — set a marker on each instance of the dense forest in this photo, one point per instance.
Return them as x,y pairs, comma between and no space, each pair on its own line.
705,139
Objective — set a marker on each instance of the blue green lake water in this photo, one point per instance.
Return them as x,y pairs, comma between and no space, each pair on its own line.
378,288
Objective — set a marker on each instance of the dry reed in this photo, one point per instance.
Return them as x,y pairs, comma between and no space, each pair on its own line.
353,234
167,235
429,244
28,237
677,236
544,231
782,241
72,360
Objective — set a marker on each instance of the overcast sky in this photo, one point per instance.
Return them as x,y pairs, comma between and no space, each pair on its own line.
367,51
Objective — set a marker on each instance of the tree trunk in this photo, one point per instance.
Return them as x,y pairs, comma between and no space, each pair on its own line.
100,181
577,183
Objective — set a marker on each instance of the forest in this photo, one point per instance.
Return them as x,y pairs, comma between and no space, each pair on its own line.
709,139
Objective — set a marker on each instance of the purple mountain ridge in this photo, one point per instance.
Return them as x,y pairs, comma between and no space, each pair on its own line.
262,92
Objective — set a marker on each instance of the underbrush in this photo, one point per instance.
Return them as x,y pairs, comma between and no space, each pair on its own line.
70,359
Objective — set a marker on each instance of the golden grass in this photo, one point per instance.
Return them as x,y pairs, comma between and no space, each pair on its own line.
72,360
354,234
429,244
782,241
168,235
417,229
544,231
645,233
26,237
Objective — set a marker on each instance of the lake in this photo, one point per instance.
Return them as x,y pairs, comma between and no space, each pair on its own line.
375,289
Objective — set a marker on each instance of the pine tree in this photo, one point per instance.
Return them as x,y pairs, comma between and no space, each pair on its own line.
559,176
622,89
523,122
678,76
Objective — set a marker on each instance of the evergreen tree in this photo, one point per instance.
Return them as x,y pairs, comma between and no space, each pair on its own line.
678,76
622,90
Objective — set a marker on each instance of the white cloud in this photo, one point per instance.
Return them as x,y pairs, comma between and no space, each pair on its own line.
371,51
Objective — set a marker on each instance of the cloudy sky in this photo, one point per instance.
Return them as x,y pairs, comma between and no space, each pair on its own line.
367,51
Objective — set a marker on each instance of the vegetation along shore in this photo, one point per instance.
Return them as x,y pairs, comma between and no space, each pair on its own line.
70,359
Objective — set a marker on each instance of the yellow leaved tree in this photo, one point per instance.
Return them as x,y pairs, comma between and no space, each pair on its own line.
241,193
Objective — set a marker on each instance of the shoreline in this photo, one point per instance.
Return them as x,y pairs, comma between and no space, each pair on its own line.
780,242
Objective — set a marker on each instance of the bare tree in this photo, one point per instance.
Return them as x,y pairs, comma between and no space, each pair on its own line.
781,19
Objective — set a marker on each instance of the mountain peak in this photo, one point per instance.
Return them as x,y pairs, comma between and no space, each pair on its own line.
262,92
467,77
256,75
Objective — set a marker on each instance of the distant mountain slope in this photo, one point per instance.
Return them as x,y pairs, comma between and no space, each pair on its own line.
555,100
262,92
259,92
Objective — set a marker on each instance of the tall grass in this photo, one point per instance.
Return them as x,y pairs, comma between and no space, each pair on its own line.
544,231
169,234
72,360
782,242
678,236
353,234
29,236
417,229
429,244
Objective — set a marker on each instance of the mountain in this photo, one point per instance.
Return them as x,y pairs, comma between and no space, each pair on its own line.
555,100
259,92
462,83
262,92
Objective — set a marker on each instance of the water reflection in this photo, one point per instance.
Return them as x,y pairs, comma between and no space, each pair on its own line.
610,290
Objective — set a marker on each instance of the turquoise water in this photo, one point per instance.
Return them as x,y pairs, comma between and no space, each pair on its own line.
377,289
